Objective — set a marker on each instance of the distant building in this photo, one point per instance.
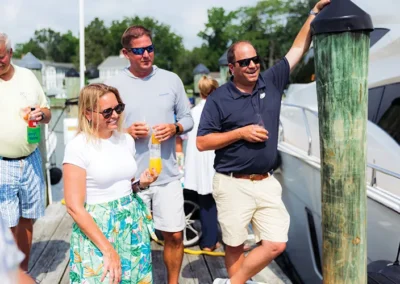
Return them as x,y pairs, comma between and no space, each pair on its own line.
111,67
52,73
54,77
223,68
216,76
199,71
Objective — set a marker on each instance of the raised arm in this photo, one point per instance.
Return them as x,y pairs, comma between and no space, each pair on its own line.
303,39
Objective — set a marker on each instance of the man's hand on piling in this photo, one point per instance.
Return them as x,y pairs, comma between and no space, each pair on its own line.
320,5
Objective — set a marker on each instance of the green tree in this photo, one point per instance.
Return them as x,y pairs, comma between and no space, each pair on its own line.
188,60
272,26
217,35
97,45
31,46
49,40
263,25
116,30
168,45
102,42
68,48
59,47
304,71
51,45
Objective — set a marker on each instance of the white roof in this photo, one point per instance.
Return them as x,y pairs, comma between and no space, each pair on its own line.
114,62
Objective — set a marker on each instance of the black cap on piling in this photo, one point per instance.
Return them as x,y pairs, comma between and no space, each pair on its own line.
341,16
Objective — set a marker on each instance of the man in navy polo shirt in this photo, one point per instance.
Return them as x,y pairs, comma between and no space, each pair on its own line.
240,121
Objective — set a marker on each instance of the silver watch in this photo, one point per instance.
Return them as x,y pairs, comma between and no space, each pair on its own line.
313,13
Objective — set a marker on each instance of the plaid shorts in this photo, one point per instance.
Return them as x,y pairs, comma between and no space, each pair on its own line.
22,189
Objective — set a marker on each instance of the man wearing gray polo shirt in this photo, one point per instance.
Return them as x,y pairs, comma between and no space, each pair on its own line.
152,97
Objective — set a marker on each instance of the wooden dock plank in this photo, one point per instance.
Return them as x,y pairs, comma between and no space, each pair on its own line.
51,264
196,269
186,276
193,271
65,277
272,274
216,266
159,272
43,230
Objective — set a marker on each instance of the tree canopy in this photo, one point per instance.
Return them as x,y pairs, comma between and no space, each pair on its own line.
271,26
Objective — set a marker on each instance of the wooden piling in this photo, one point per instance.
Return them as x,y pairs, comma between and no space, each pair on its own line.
341,48
342,61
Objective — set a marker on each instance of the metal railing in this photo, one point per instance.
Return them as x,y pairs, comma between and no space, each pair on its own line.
307,125
374,168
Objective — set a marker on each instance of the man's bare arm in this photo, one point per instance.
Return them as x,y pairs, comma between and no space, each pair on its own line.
215,141
303,39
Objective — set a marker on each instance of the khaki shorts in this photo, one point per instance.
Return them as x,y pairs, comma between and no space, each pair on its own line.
242,201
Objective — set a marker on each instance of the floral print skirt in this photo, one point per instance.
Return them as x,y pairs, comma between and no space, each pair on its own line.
128,225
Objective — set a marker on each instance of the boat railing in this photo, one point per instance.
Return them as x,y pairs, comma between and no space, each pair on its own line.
374,168
304,112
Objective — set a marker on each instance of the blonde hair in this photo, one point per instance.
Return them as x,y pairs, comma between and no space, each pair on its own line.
207,85
89,100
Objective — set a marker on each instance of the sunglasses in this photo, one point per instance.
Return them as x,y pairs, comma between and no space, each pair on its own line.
246,62
107,113
141,50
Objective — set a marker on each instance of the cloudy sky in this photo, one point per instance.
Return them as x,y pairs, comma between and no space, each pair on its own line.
20,18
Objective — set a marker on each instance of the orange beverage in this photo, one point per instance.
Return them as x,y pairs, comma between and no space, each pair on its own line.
155,154
155,163
154,140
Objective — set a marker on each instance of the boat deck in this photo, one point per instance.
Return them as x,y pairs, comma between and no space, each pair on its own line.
50,256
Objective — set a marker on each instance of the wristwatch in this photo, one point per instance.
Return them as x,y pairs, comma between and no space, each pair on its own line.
43,115
143,188
313,13
176,128
136,186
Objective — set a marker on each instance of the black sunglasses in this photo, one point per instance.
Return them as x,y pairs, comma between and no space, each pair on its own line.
246,62
141,50
107,113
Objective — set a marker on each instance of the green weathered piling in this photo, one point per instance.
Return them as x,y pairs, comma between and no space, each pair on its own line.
341,47
342,67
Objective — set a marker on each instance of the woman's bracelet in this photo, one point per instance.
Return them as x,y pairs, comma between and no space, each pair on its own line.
143,188
136,186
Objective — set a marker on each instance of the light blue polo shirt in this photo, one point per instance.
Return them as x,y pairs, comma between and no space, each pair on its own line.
155,99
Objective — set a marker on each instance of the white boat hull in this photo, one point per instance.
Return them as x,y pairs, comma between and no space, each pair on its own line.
300,179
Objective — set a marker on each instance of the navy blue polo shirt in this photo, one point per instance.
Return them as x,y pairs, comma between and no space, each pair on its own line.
227,109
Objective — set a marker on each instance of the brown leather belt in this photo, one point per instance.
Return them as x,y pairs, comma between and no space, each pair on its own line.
252,176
